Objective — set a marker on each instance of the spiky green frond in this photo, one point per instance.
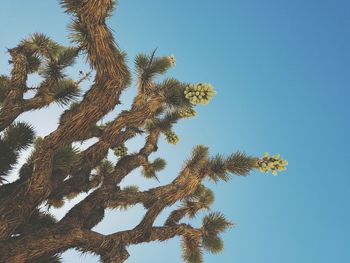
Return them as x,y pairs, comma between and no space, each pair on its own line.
240,164
41,45
131,188
164,123
41,42
79,33
213,244
218,169
199,154
66,91
51,70
160,65
105,167
149,172
19,135
215,223
173,91
35,43
203,195
149,66
141,62
66,57
191,208
158,164
201,199
191,250
65,158
111,8
168,121
71,6
33,63
37,220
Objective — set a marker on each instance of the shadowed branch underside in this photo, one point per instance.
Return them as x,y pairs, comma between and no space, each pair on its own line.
57,170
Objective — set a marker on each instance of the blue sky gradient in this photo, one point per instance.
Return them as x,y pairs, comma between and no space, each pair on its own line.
281,71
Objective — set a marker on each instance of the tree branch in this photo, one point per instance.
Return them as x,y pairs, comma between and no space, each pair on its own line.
112,76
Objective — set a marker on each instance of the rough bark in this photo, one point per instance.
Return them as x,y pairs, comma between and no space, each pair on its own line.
29,235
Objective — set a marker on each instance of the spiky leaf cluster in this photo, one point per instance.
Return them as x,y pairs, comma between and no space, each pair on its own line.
203,195
148,67
213,244
214,224
66,91
105,167
200,93
272,163
239,163
176,100
63,160
149,170
131,188
120,150
158,164
19,135
45,56
199,156
201,199
171,137
173,91
16,137
191,249
37,221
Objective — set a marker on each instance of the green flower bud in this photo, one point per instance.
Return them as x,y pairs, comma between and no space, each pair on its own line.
200,93
171,137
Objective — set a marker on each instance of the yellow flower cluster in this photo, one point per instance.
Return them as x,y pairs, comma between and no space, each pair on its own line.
120,150
171,137
187,113
172,60
199,93
272,163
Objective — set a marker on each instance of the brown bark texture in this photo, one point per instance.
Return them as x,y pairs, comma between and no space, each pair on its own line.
56,171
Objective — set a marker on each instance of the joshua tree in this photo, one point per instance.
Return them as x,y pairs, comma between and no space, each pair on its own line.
56,170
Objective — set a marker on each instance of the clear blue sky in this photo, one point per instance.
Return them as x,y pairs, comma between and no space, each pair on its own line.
281,70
